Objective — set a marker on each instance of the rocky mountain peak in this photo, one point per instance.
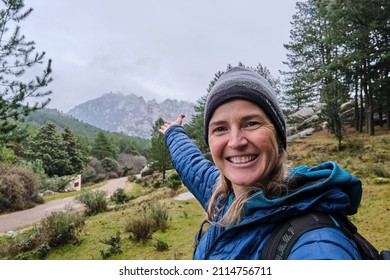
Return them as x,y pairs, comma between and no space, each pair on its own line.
129,114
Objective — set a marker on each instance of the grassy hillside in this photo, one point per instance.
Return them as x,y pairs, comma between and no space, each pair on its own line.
366,157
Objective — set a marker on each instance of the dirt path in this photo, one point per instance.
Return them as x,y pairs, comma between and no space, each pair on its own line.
25,218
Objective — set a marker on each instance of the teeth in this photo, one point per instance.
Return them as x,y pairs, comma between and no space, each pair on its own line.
240,160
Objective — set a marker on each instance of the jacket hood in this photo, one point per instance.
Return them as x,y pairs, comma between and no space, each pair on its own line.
326,188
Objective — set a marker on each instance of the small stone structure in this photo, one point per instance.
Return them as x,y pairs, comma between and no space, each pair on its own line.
74,184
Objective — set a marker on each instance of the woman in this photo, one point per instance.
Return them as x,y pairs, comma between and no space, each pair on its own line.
248,189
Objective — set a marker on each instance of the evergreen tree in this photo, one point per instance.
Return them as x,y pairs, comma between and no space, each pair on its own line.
102,148
194,128
344,46
17,55
159,157
74,156
305,54
48,147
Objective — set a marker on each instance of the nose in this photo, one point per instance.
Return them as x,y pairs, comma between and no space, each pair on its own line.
237,139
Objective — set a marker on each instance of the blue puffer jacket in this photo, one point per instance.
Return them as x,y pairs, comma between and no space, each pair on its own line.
325,188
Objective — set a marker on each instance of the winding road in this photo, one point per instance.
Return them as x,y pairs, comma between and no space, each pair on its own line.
20,219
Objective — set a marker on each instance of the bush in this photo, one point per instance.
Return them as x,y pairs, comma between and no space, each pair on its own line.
7,155
159,215
152,217
119,196
354,144
109,164
173,181
161,245
157,184
18,188
55,184
99,178
94,201
111,175
88,174
59,228
114,243
141,227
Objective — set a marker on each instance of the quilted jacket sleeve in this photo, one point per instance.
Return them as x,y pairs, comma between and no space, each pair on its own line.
197,173
324,244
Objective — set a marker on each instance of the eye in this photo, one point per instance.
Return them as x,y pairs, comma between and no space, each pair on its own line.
218,130
252,124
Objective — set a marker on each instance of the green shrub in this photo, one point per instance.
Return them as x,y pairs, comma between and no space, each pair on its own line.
114,243
42,251
119,196
7,155
109,164
173,181
377,169
94,201
161,245
157,184
18,188
55,230
59,228
354,144
159,215
55,184
140,227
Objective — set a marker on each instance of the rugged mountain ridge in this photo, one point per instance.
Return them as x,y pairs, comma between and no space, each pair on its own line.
129,114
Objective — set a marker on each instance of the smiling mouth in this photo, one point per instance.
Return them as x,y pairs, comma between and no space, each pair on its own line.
242,160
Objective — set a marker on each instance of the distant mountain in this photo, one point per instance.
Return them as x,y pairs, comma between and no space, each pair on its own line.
129,114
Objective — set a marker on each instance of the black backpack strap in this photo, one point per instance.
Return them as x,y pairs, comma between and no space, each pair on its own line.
283,238
366,249
200,233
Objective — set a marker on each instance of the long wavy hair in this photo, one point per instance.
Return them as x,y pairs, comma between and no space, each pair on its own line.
275,187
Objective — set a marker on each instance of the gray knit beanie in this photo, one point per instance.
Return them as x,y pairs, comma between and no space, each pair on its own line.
242,83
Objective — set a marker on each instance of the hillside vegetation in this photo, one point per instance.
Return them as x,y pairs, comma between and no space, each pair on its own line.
366,157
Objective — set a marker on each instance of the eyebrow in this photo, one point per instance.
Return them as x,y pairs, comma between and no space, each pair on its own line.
244,118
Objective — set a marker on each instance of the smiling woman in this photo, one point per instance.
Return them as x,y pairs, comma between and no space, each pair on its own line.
243,144
248,190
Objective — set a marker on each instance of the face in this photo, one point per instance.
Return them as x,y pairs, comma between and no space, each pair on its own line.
243,143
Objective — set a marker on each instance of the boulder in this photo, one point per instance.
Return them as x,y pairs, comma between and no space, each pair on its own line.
146,171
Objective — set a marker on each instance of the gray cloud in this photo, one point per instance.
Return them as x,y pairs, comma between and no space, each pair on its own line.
158,49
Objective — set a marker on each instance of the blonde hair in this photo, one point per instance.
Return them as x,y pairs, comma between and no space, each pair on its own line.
275,187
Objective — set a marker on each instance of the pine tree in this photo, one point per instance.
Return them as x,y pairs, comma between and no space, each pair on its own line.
17,55
194,128
48,147
159,157
102,148
74,156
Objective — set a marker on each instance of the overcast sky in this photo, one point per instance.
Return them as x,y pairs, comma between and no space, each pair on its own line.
153,48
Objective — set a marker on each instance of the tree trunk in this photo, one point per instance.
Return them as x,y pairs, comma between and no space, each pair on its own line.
356,105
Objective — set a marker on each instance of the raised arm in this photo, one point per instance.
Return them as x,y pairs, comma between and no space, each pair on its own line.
197,173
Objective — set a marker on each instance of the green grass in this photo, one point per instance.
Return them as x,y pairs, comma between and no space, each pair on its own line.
185,217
